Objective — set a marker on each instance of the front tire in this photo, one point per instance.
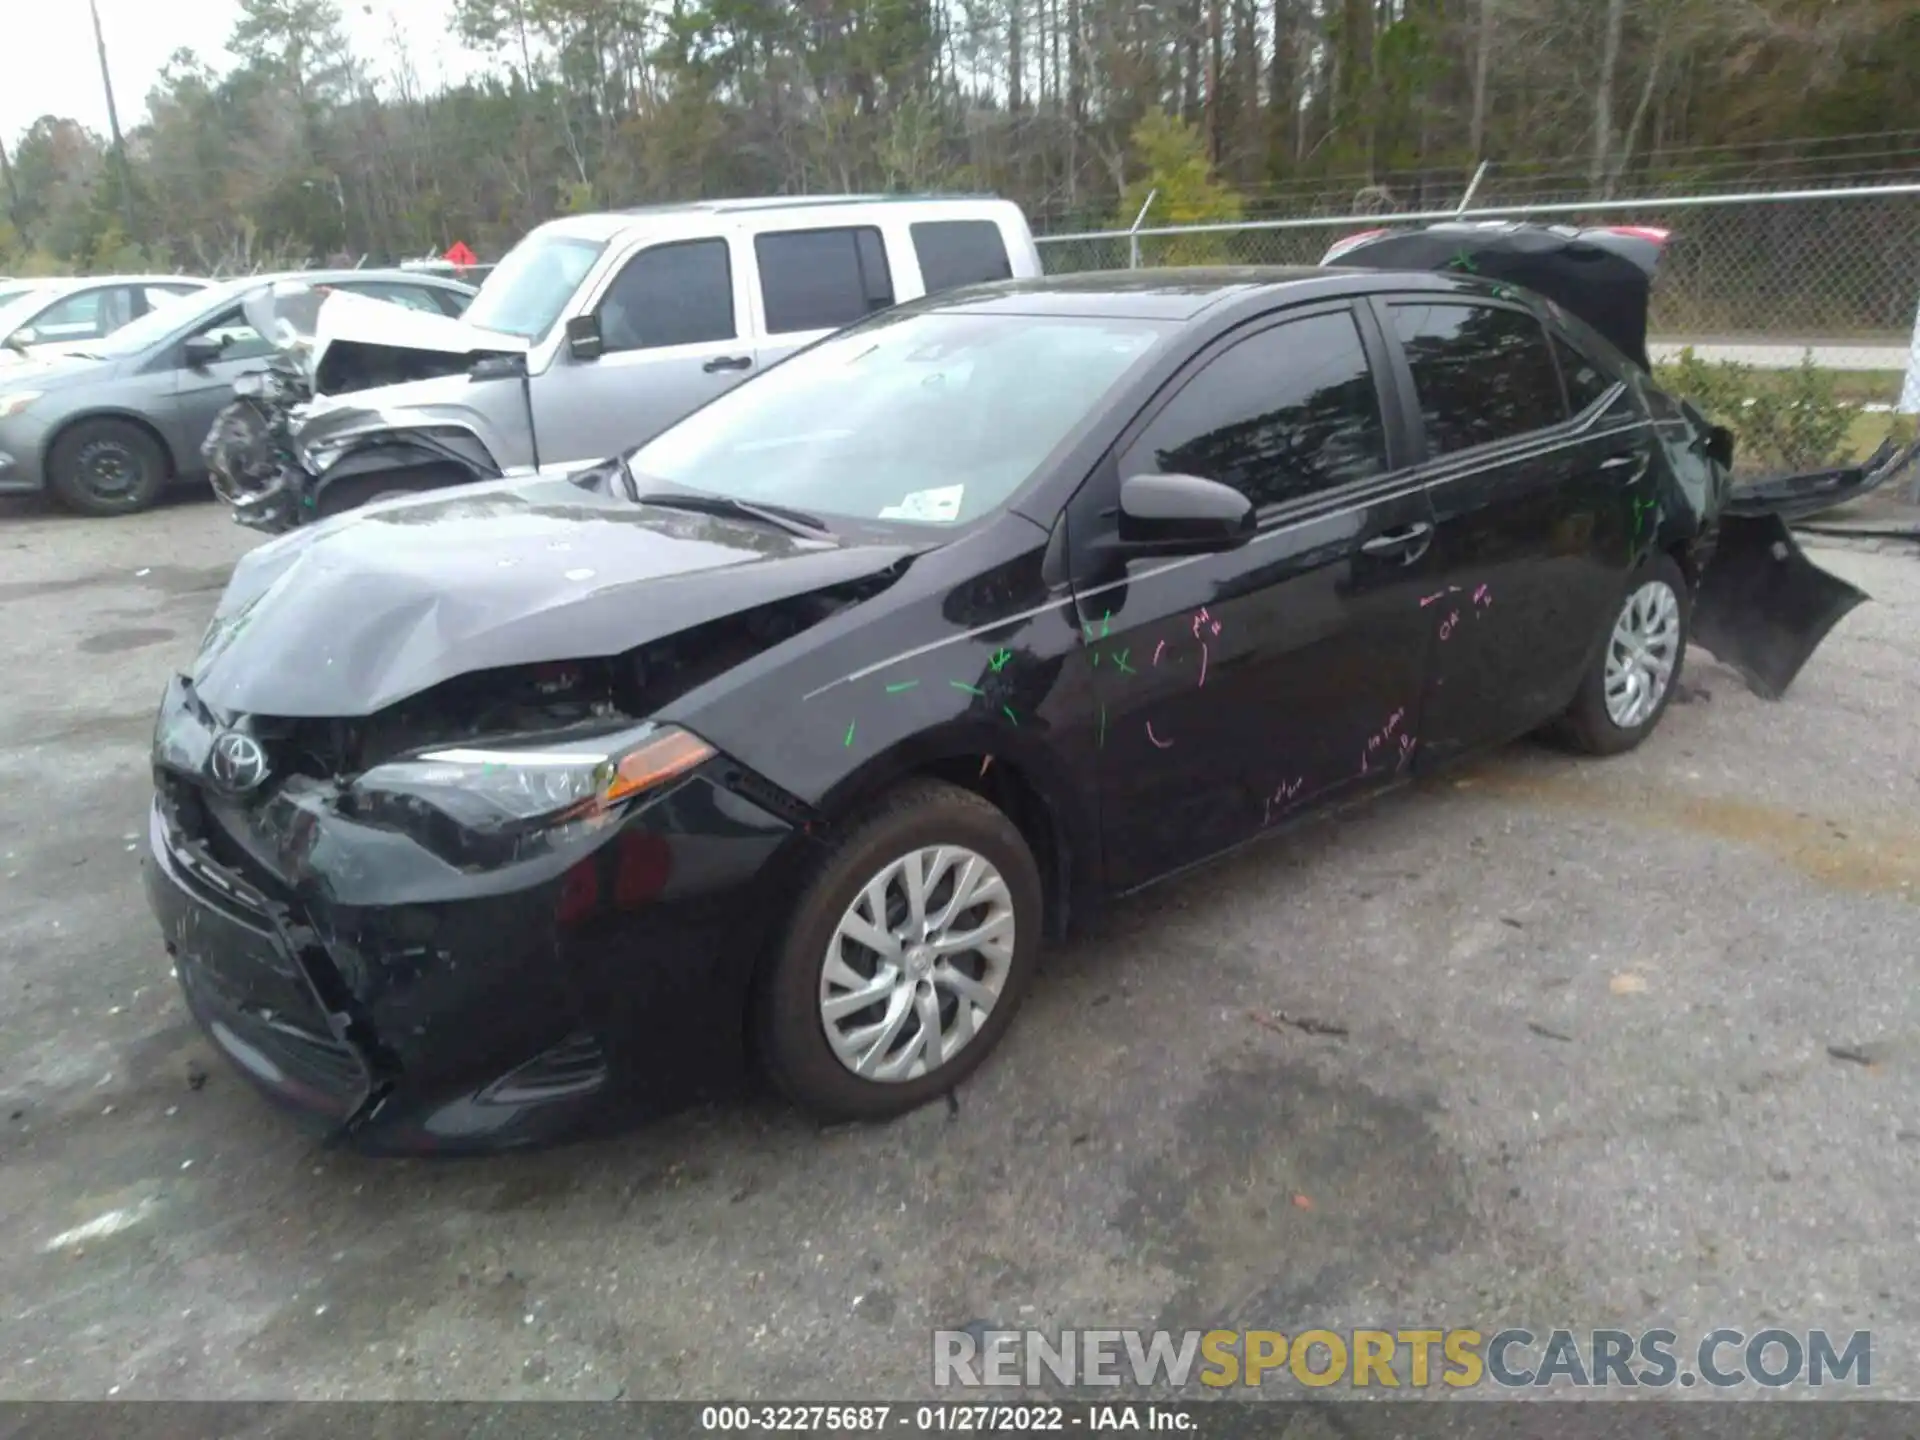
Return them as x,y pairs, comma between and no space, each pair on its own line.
107,467
1633,678
911,946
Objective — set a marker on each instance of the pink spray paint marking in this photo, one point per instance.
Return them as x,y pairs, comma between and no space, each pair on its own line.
1376,741
1162,744
1203,662
1483,595
1446,625
1441,595
1282,796
1156,651
1203,618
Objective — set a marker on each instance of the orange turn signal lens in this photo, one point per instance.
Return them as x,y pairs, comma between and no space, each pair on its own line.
671,753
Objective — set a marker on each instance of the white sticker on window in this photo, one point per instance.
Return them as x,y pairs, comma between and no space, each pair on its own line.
938,505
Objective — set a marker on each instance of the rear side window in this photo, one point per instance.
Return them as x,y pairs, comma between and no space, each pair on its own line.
1585,381
1481,374
822,279
960,252
1282,415
680,294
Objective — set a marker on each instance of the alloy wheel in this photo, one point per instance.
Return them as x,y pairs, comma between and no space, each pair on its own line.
1641,654
917,963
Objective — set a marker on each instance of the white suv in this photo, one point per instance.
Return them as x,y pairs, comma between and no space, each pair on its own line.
630,320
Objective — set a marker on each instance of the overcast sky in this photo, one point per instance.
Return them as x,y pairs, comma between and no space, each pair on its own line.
54,70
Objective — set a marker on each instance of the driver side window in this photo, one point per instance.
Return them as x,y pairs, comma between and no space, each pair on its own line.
237,339
677,294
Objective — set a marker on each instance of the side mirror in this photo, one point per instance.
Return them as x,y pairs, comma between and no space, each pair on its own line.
583,337
1182,515
202,351
1720,446
23,337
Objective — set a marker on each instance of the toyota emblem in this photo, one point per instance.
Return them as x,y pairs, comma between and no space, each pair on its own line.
238,763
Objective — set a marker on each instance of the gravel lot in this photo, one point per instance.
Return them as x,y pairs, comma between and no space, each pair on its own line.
1586,1079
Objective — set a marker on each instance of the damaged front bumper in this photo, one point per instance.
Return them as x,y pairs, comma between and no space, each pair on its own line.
410,1005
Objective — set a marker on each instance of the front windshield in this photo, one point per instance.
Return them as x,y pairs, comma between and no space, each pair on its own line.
934,418
527,291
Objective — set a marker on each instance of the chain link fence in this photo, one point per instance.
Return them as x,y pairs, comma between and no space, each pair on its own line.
1753,279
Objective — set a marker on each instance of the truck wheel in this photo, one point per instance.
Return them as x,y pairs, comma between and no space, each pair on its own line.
107,467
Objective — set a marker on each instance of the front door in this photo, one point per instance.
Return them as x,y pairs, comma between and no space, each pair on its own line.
202,392
1530,544
1236,690
674,335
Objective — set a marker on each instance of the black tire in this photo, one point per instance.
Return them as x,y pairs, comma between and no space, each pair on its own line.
1587,726
789,1028
107,467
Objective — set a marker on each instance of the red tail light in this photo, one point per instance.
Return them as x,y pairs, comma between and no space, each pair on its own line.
1341,247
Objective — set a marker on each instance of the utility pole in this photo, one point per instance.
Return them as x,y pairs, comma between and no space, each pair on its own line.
1213,81
113,121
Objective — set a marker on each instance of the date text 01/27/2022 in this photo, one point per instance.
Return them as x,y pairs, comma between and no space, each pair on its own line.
941,1419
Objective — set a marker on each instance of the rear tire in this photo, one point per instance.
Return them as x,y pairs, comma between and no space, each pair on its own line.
813,1031
107,467
1632,680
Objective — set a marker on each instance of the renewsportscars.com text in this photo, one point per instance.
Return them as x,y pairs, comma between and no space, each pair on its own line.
1403,1359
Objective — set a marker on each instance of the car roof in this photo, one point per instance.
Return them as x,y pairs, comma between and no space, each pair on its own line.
62,284
1180,293
604,225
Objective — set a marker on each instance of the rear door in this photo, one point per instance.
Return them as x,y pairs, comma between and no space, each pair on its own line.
1531,544
674,332
1235,690
816,280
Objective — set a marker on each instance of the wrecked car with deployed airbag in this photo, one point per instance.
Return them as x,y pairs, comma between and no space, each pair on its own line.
780,745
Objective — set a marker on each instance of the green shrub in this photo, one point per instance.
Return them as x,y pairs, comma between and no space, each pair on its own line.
1783,420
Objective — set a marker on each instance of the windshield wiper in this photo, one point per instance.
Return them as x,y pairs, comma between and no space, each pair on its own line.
794,522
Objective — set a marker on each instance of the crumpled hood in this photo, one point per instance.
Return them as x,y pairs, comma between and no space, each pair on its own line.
359,319
344,618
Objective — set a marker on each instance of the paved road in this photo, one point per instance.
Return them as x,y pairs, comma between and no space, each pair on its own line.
1586,1079
1776,355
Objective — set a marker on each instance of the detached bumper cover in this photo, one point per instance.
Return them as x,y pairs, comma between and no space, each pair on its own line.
1763,607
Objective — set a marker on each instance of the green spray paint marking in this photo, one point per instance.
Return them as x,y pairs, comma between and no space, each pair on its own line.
898,686
849,740
970,689
1120,661
999,660
1463,261
1106,626
1007,710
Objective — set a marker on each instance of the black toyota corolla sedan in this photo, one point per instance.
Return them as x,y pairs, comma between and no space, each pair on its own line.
790,736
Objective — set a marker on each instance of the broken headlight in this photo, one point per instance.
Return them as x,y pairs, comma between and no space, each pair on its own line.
512,787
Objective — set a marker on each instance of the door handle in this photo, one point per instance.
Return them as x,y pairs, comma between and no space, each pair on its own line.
728,362
1393,542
